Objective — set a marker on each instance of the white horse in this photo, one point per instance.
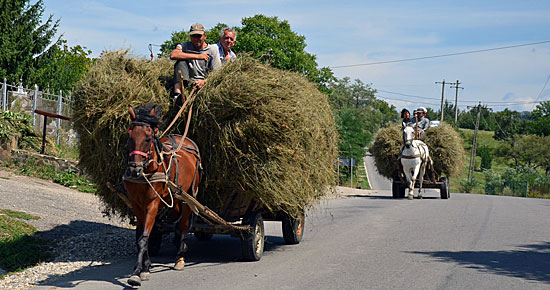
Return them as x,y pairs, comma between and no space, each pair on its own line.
415,156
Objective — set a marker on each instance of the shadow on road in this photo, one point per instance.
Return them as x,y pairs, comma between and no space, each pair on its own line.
108,239
530,262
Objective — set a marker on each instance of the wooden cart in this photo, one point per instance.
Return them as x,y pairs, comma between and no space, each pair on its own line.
239,217
431,180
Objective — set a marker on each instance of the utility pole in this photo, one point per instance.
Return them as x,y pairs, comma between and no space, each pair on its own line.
456,98
474,144
442,97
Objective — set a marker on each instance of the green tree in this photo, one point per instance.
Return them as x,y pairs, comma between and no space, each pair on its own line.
484,152
467,120
24,37
541,119
525,150
509,124
358,114
260,33
61,67
354,135
448,113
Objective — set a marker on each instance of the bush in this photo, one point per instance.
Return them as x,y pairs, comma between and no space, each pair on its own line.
468,186
493,182
486,157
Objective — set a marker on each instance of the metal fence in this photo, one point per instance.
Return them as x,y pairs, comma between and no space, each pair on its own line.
17,98
519,188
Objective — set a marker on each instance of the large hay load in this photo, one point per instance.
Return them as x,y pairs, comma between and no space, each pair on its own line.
265,134
445,144
100,113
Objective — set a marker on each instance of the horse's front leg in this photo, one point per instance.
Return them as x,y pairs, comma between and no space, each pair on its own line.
416,169
421,177
410,182
143,264
182,229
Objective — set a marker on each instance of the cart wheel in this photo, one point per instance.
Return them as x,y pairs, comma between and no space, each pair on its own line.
293,228
202,236
155,242
395,189
252,242
444,188
402,190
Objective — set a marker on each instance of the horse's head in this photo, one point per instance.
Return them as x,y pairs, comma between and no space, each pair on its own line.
141,138
408,136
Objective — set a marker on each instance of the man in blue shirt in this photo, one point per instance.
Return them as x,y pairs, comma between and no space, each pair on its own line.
228,37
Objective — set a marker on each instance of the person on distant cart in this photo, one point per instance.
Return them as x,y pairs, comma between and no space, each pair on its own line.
406,116
422,123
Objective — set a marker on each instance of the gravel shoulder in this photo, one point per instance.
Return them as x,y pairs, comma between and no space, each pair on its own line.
71,220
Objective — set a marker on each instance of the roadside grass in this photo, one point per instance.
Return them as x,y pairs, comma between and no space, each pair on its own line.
68,178
484,138
19,249
498,165
360,179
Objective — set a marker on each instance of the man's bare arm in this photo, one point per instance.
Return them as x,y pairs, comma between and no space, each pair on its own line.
178,54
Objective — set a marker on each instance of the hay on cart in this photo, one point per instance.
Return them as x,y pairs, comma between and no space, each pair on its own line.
263,133
445,145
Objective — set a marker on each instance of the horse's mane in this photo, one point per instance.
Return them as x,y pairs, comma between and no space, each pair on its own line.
143,115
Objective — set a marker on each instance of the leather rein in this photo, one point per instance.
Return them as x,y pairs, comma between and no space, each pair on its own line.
164,176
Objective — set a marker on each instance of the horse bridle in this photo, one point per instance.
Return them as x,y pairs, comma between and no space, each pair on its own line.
146,155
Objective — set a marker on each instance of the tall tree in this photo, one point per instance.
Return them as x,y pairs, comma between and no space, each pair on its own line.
259,35
61,67
358,115
509,124
24,37
541,119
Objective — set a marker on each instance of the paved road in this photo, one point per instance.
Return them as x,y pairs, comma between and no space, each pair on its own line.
370,242
365,240
376,181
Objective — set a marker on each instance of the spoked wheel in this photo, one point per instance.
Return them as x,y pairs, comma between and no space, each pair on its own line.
252,242
293,228
444,188
202,236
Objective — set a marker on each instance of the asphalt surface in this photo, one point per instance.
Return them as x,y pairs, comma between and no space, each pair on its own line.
367,240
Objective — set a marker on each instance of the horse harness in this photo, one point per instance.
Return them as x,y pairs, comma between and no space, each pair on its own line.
414,156
167,149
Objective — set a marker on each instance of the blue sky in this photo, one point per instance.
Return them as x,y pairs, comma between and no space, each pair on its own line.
349,32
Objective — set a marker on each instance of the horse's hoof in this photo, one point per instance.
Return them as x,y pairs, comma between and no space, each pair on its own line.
411,197
145,276
134,280
180,264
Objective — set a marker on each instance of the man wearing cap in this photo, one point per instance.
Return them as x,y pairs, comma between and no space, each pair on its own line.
423,123
194,59
228,37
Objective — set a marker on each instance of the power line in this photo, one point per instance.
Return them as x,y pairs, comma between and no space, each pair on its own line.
540,94
441,55
406,95
461,101
401,100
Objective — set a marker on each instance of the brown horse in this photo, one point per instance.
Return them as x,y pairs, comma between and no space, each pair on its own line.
152,164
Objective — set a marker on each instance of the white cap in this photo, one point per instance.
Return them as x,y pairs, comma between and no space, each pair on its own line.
421,109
